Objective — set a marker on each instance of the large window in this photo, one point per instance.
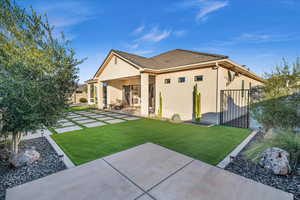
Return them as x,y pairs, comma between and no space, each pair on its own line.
198,78
167,81
181,79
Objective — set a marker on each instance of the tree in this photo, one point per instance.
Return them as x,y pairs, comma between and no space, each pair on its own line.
276,104
37,72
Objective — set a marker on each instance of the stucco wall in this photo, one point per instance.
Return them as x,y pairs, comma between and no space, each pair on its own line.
237,82
117,70
178,97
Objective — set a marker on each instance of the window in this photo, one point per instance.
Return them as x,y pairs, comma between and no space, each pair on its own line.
198,78
181,79
116,60
167,81
243,84
250,85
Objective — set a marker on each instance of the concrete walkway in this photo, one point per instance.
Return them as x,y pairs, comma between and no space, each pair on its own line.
145,172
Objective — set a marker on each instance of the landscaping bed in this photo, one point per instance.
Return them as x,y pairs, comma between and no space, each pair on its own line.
48,163
244,167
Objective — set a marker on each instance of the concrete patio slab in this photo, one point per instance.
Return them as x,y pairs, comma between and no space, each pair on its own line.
202,181
118,116
114,121
104,118
94,116
124,175
67,129
95,124
63,121
73,116
132,118
144,197
67,123
86,121
80,118
148,164
92,181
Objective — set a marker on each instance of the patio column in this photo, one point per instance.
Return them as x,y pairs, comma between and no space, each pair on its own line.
144,94
89,93
100,95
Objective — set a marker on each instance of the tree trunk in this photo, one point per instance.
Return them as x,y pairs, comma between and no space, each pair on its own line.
16,138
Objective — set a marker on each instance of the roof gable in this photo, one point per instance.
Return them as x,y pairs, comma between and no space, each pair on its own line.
114,69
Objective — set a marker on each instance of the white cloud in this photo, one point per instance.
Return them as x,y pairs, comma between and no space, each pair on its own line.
209,8
204,7
180,33
143,52
155,35
139,29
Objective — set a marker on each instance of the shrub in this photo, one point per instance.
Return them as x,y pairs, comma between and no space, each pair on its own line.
160,106
286,140
83,100
196,103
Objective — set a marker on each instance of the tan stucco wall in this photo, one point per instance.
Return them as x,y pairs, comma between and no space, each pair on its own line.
178,97
237,82
120,70
114,91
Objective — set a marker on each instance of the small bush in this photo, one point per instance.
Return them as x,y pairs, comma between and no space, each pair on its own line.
83,100
286,140
176,118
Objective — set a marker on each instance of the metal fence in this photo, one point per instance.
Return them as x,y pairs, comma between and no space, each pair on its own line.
234,108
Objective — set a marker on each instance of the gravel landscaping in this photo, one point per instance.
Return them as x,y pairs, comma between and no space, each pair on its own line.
49,163
241,166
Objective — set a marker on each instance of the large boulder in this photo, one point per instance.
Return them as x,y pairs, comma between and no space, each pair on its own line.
27,157
277,160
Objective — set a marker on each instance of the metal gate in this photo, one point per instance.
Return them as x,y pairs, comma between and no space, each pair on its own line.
234,108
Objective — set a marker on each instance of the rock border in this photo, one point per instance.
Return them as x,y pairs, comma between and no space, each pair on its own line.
69,164
237,150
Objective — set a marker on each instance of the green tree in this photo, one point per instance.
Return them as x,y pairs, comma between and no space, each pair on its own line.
276,104
37,72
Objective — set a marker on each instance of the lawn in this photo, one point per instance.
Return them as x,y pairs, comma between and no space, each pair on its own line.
208,144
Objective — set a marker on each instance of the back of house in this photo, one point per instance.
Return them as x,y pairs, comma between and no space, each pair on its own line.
165,84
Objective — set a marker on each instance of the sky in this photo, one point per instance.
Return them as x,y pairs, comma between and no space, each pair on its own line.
255,33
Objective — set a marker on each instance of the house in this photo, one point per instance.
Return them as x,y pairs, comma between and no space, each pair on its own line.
137,82
80,94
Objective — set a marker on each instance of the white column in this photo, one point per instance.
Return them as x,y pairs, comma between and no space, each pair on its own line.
89,93
144,94
100,95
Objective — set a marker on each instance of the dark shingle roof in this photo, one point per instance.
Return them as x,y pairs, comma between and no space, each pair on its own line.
169,59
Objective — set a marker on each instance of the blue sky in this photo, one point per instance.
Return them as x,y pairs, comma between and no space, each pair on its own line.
256,33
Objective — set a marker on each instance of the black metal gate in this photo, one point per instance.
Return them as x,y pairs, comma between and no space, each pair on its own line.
234,108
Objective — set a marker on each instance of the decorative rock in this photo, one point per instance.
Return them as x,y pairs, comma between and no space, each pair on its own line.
48,163
276,160
27,157
176,118
4,154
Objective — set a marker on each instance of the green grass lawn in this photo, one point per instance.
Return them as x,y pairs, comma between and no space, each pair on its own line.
208,144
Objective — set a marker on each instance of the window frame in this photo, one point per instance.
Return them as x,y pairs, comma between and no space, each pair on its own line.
167,81
181,78
195,78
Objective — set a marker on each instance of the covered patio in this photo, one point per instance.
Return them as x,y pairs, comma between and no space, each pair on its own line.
131,95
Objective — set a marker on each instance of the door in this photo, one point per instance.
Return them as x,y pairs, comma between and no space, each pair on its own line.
126,95
105,95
